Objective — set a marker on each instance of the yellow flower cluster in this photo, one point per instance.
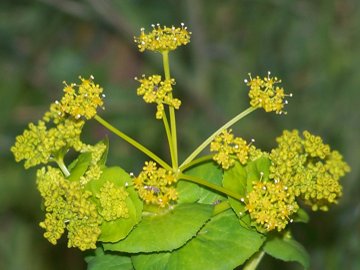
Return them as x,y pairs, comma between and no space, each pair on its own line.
163,38
154,185
271,205
94,171
112,201
38,144
154,90
78,100
68,206
60,127
309,168
228,147
264,94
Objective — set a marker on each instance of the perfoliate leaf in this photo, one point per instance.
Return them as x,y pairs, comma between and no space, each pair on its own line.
221,244
166,231
108,261
287,250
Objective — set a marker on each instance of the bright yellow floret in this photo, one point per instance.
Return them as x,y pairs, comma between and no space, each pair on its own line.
264,94
163,38
61,126
81,100
154,90
271,205
309,167
68,206
155,185
112,201
228,148
40,144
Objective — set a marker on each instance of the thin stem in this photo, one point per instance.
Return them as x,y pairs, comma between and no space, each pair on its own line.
210,185
165,55
168,135
208,140
196,161
131,141
62,166
254,261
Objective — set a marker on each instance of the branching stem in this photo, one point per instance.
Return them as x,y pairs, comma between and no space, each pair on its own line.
131,141
212,136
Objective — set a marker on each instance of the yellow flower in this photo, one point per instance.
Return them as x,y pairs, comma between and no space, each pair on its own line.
38,144
154,90
228,148
68,206
264,94
270,205
61,126
81,100
163,38
112,201
154,185
309,167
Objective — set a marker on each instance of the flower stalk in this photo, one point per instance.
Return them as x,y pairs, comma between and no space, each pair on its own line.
131,141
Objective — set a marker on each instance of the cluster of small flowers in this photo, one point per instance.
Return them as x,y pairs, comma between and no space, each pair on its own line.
39,144
228,147
112,202
163,38
154,90
68,206
94,171
60,127
264,94
271,205
78,101
309,168
154,185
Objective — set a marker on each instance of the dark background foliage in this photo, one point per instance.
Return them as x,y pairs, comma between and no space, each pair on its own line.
314,46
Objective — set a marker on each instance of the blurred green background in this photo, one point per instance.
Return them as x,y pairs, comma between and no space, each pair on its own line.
314,46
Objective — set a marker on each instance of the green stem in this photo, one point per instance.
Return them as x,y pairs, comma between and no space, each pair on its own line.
131,141
253,262
196,161
210,185
165,55
169,137
209,140
61,164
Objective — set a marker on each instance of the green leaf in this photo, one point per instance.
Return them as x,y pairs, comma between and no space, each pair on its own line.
187,192
113,231
79,166
256,170
108,261
164,232
210,172
301,216
221,244
287,250
235,179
